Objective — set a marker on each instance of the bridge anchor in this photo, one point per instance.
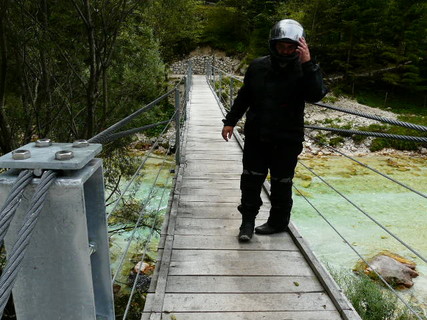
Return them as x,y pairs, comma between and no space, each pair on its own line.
66,271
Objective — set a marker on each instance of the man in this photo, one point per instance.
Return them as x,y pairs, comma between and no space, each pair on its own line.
273,94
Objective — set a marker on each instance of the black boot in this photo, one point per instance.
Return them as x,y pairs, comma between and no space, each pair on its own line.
248,222
250,185
281,205
246,230
266,228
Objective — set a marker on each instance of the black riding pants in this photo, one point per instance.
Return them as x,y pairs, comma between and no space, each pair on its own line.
278,157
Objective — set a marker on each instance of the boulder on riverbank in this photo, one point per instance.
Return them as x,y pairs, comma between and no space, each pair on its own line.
396,270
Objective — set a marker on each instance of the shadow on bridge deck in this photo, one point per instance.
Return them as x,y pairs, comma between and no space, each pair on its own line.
204,273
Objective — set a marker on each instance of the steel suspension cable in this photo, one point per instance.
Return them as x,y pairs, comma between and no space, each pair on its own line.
141,165
14,263
361,114
370,168
102,136
371,134
365,213
141,215
374,117
122,134
12,201
360,256
145,250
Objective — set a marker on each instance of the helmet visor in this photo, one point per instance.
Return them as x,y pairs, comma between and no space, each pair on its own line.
287,29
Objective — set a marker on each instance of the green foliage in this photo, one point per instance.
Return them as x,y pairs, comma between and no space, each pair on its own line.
238,27
176,24
136,306
224,29
381,143
371,300
61,85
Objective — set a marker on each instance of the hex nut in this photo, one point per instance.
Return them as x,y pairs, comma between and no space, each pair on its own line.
21,154
42,143
80,143
64,155
38,172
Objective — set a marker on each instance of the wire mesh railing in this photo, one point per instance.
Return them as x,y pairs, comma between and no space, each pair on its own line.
224,86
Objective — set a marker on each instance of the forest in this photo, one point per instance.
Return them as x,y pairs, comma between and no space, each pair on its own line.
69,69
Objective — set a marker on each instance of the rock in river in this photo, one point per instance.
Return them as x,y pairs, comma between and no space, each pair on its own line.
396,270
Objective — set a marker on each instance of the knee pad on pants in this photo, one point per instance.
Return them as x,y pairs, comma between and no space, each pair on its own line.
251,185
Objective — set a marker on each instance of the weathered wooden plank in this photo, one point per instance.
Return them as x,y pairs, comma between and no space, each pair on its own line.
155,300
238,263
186,226
211,146
208,192
214,198
298,315
191,184
212,227
216,210
260,284
247,302
276,242
218,167
214,156
207,175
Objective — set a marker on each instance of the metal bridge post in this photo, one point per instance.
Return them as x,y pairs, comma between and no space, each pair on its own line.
213,78
231,91
66,270
177,127
220,86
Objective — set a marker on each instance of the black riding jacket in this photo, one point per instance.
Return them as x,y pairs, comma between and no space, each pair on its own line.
274,98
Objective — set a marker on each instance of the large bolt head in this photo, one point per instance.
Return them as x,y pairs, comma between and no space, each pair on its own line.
80,143
42,143
21,154
64,155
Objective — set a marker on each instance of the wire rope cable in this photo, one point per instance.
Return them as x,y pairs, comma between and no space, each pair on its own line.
365,213
12,201
104,135
14,263
141,165
145,251
360,256
122,134
370,168
374,117
371,134
141,215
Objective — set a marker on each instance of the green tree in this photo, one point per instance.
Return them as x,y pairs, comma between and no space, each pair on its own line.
69,69
175,25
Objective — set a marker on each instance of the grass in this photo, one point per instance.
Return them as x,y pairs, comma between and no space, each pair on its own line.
371,300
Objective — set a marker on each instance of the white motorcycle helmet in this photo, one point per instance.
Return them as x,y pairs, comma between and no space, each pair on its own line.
286,30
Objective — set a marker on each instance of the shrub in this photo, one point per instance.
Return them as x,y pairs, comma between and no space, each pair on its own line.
371,300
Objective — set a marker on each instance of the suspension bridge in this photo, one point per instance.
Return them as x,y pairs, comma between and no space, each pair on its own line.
202,272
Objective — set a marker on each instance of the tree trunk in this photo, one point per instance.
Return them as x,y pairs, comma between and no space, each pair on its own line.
105,96
92,90
45,94
5,136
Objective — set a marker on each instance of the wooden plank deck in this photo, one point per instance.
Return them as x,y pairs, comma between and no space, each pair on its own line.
204,273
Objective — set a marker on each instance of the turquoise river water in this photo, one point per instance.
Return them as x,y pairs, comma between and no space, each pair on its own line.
401,211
